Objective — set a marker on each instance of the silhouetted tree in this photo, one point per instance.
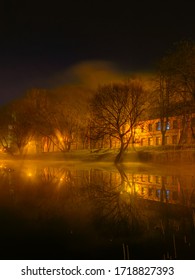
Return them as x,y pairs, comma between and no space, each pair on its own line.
5,137
163,100
116,109
178,66
21,124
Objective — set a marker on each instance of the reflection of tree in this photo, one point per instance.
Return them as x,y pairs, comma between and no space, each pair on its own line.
116,208
122,211
175,223
105,202
163,193
52,174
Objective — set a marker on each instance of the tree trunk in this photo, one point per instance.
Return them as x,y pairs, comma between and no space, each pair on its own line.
184,132
120,155
163,137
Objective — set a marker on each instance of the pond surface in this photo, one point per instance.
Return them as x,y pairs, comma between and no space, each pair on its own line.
58,211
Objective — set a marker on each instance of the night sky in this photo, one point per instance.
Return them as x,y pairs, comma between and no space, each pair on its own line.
41,40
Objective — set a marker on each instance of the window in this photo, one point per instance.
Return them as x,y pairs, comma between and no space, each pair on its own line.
175,124
142,141
142,178
150,192
157,140
158,179
166,140
168,126
167,194
149,178
150,127
158,193
174,139
158,126
150,141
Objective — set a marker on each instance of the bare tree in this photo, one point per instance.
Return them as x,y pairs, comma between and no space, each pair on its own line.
65,126
69,122
163,96
5,137
179,69
42,112
57,118
116,109
21,124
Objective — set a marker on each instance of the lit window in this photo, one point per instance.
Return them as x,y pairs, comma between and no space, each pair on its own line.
157,141
150,141
158,193
158,179
149,178
168,126
166,140
158,126
142,178
142,141
167,194
150,191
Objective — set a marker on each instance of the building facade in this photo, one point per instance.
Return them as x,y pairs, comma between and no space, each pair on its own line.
149,133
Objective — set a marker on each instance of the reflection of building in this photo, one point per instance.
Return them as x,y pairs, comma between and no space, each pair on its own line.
166,189
169,189
158,188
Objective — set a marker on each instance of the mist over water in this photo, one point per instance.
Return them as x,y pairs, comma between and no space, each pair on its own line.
52,210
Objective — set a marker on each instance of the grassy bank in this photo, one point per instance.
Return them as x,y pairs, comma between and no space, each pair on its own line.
167,156
108,155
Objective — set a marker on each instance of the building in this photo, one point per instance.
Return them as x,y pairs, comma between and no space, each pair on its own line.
148,133
179,131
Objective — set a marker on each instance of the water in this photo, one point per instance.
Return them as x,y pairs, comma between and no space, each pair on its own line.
58,211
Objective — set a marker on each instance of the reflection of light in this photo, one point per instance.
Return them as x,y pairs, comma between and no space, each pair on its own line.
64,178
29,174
167,194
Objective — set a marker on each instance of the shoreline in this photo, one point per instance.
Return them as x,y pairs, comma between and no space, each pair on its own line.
170,157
